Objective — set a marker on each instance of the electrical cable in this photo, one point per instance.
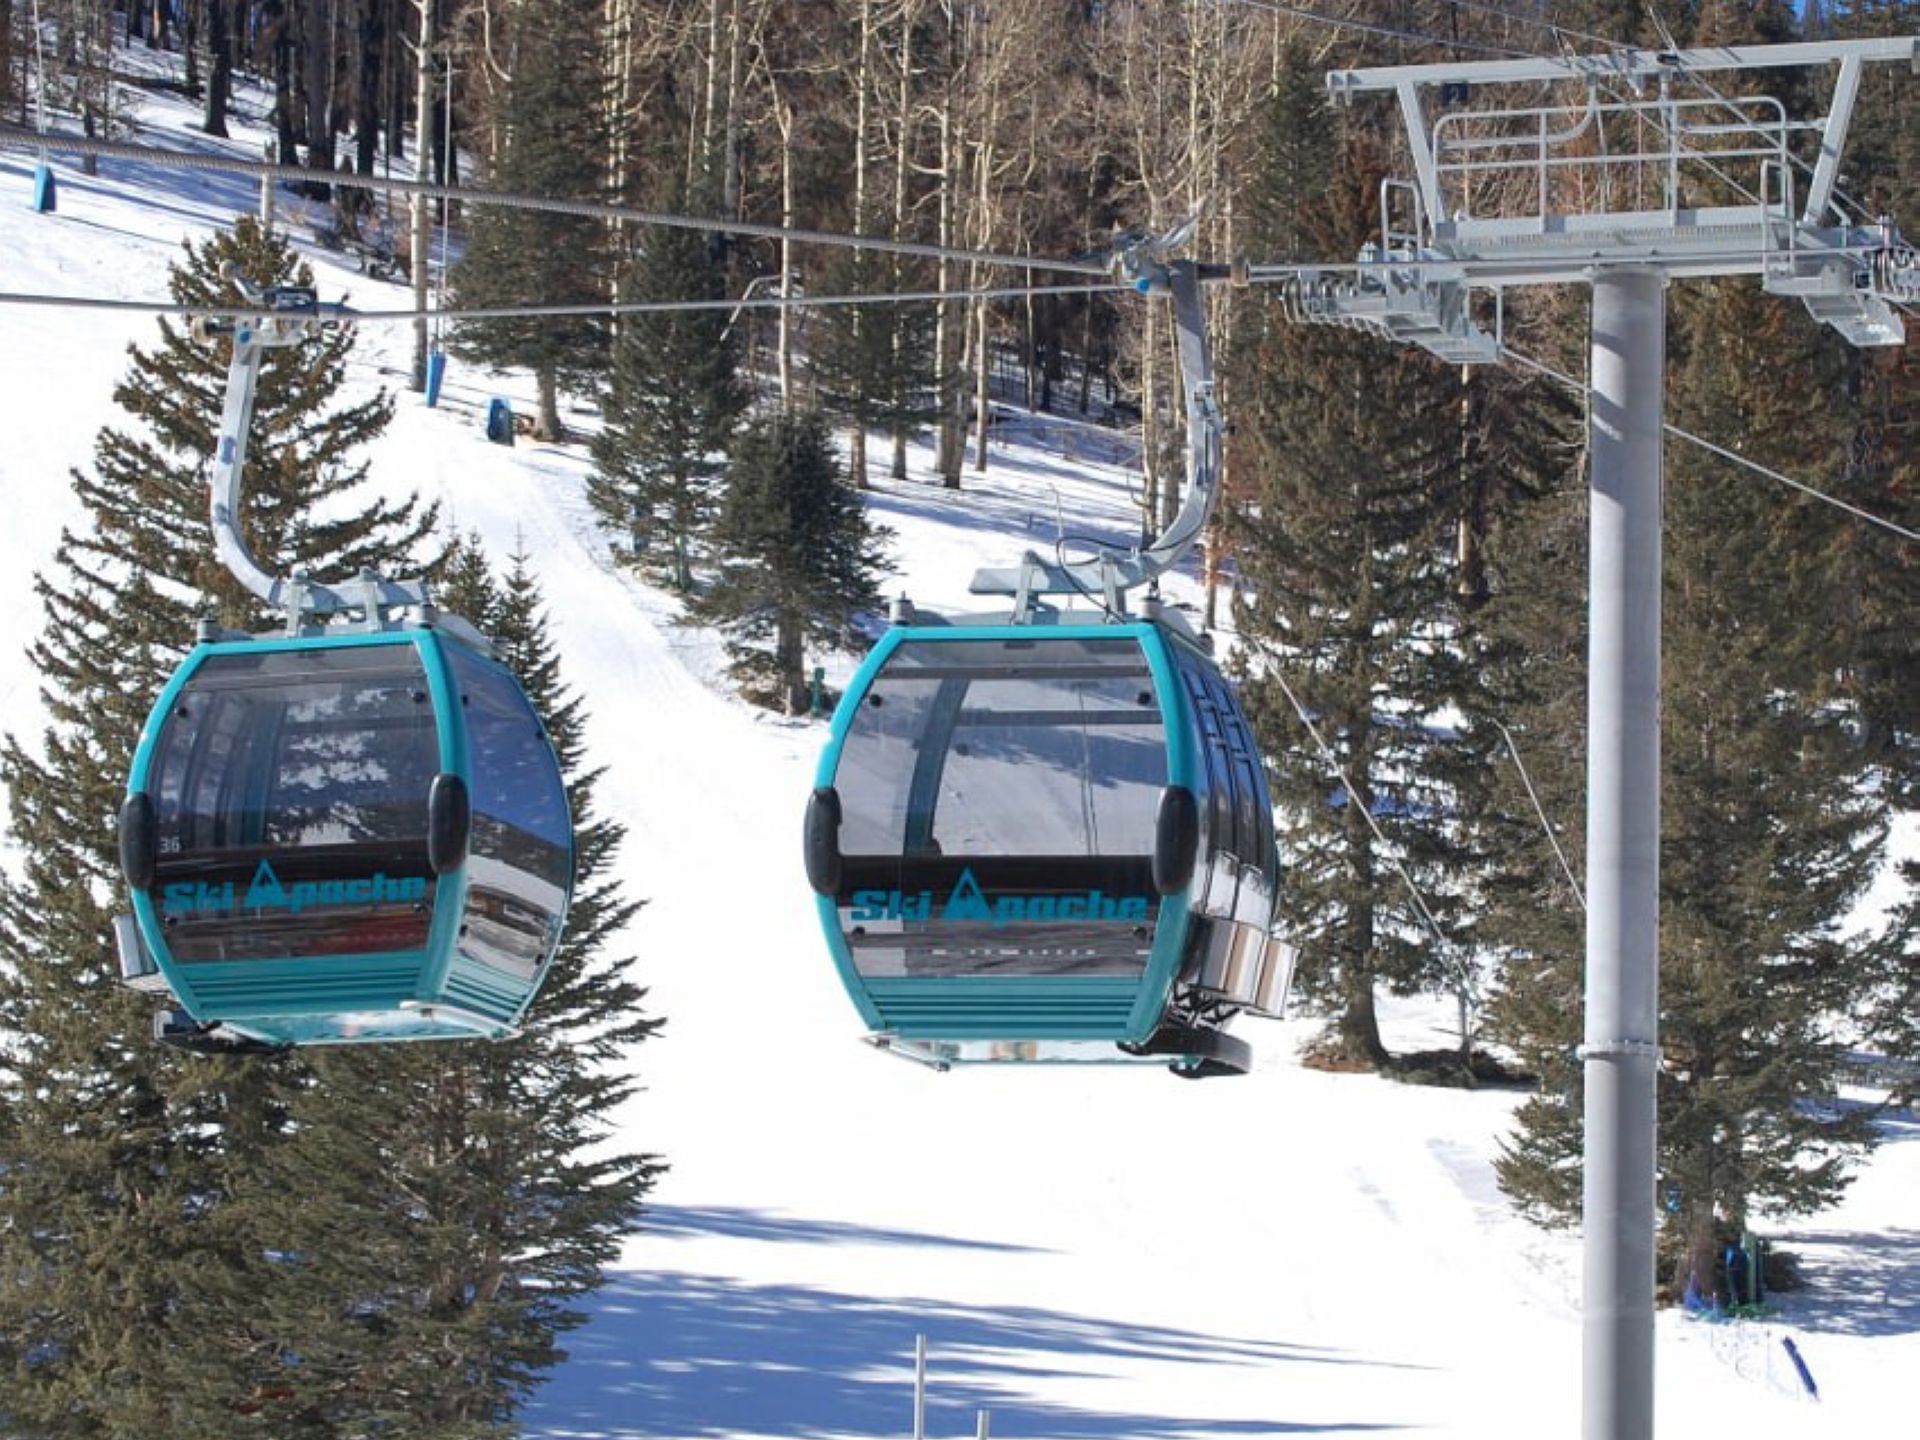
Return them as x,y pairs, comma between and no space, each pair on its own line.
1257,275
1368,28
585,308
13,136
1561,32
1353,798
1726,454
1579,895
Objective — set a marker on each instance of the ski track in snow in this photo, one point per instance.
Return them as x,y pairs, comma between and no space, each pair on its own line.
1089,1252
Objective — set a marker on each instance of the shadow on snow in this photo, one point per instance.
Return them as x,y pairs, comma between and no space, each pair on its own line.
679,1222
700,1355
1861,1284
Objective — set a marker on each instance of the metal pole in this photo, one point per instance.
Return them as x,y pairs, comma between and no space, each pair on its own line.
1623,852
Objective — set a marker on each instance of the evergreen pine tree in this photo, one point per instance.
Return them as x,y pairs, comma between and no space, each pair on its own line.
1883,175
552,127
463,1196
125,1221
1768,832
1892,1011
673,398
798,555
1343,548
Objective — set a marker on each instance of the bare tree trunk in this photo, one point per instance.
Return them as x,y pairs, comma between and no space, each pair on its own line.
1086,357
219,68
903,120
783,117
317,42
732,179
285,129
371,42
190,18
862,80
711,106
1031,349
791,661
547,424
393,87
420,243
1360,1021
1700,1258
9,91
620,92
982,381
1149,421
1173,475
983,237
1210,559
948,337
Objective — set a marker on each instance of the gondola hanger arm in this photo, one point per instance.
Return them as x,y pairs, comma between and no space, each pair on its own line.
287,315
1144,262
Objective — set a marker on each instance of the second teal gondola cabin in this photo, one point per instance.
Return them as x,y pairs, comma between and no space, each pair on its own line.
1047,842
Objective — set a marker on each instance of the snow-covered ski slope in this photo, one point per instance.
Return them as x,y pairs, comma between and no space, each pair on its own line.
1089,1252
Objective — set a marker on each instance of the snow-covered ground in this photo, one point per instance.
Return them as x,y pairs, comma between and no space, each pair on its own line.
1089,1252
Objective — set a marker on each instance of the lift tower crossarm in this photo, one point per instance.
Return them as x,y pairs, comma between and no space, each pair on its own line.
1633,66
1505,197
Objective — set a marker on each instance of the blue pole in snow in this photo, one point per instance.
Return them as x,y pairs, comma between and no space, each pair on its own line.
1806,1375
46,193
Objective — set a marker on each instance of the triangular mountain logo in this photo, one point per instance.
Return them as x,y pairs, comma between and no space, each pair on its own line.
967,902
266,889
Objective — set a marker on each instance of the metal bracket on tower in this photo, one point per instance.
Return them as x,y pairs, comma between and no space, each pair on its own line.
1422,301
1404,289
286,316
1850,278
1141,261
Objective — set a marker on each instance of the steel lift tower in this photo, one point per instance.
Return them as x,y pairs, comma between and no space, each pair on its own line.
1622,171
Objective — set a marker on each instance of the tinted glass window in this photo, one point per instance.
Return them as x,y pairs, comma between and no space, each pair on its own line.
293,748
1005,747
290,793
520,857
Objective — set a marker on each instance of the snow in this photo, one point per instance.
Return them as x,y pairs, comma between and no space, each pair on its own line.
1088,1251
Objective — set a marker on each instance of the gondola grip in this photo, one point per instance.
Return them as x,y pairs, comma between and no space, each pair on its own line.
1176,840
823,841
449,822
138,841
